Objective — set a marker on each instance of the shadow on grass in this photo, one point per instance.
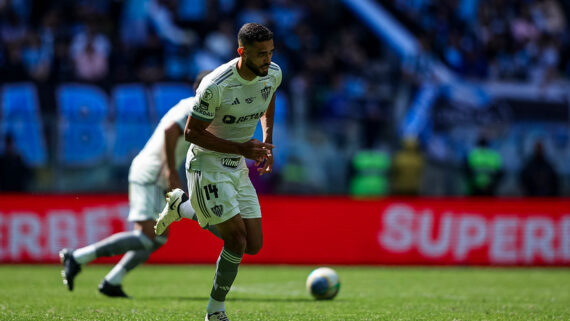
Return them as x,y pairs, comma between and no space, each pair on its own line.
205,298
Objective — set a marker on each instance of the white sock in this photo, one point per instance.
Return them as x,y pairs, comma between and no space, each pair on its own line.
186,210
115,276
215,306
85,254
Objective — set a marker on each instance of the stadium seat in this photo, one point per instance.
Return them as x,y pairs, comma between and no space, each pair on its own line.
82,103
130,104
132,122
83,125
166,95
129,139
82,144
19,102
20,117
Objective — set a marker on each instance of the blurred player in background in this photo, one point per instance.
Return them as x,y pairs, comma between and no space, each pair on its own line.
229,103
152,172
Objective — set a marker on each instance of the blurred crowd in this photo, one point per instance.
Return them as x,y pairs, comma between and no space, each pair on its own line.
518,40
109,41
343,92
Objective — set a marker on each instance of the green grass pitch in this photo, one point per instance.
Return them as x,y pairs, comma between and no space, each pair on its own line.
180,292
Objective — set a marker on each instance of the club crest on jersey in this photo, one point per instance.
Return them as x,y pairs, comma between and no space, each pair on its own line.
218,210
207,94
249,100
265,92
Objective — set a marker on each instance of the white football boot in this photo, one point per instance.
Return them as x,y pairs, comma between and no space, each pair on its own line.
217,316
170,212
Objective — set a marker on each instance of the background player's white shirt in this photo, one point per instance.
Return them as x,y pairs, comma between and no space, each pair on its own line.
149,165
232,105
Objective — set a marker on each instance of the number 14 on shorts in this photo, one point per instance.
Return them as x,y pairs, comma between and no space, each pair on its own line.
211,189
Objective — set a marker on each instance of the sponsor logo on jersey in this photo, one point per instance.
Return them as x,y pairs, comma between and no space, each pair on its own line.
249,100
229,119
232,162
218,210
235,102
202,108
265,92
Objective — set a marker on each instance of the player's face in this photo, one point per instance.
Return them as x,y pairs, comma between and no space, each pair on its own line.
257,57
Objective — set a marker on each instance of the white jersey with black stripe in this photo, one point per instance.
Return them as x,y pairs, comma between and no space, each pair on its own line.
149,165
232,105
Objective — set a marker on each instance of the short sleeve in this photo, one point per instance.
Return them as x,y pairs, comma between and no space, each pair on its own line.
206,101
277,74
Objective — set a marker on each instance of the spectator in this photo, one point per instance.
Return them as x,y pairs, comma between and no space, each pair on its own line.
484,169
37,57
369,173
538,177
13,69
407,168
14,173
149,60
90,52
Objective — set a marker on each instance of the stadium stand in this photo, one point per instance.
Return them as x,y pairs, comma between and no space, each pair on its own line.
345,88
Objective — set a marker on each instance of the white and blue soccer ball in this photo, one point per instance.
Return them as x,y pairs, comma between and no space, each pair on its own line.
323,283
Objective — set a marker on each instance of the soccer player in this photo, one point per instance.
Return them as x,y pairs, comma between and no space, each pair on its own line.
229,103
152,172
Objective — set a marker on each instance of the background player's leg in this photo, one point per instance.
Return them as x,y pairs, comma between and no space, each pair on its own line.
134,258
113,245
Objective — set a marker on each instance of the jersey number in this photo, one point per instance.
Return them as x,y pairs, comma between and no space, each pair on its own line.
211,188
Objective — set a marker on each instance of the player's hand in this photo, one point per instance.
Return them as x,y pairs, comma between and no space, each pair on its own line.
256,150
266,166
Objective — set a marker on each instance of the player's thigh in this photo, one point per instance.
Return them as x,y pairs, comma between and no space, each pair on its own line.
145,202
247,197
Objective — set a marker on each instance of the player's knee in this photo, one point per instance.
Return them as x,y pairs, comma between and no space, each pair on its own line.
236,242
147,228
253,248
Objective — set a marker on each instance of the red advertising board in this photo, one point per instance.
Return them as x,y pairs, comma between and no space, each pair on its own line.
312,230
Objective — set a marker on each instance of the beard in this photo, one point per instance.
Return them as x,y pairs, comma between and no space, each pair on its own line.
256,69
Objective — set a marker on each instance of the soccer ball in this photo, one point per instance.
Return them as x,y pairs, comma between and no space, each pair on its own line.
323,283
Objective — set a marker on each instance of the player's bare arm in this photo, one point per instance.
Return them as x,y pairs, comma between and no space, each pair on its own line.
267,128
171,135
196,133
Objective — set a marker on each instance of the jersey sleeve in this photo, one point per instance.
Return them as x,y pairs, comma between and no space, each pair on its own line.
277,74
206,102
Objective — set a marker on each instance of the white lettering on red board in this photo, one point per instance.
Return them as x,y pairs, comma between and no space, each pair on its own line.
41,237
508,239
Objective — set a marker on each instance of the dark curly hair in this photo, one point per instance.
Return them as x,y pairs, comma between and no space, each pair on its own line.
253,32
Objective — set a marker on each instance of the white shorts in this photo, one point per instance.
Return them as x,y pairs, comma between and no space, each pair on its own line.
217,196
146,202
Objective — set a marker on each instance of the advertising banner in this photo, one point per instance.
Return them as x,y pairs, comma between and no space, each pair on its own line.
312,230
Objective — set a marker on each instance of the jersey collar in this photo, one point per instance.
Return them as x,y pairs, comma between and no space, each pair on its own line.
238,76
